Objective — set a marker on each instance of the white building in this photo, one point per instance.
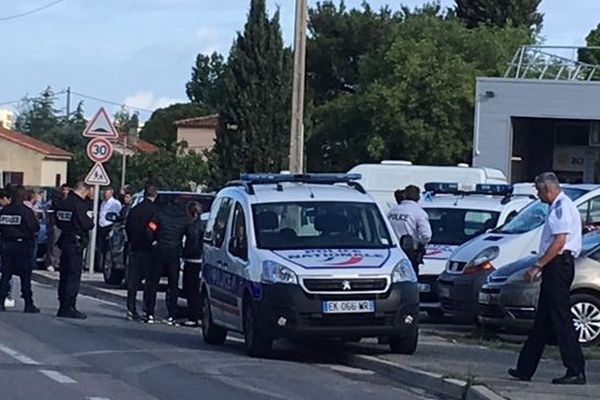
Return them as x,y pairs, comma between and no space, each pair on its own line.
7,119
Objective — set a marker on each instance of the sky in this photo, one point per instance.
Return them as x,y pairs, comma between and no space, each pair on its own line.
140,52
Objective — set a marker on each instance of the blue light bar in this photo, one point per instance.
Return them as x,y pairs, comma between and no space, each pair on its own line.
265,179
442,187
494,189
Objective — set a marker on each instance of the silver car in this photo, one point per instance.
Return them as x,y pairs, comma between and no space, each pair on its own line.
507,301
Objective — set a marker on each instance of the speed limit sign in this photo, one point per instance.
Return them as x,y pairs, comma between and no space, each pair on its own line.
99,150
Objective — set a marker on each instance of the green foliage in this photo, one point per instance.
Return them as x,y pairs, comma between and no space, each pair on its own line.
501,13
591,56
206,85
161,129
124,121
253,132
37,116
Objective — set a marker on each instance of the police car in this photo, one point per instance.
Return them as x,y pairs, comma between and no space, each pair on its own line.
300,255
514,240
456,217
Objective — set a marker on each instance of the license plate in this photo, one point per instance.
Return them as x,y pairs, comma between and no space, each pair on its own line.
444,291
485,298
424,287
348,307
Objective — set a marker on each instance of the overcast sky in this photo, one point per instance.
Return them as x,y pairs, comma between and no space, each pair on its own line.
140,52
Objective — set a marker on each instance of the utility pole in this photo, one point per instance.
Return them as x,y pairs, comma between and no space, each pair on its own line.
68,102
297,126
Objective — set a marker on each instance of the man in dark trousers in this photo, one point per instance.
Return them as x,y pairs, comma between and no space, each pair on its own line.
140,242
74,223
18,227
192,255
559,245
168,228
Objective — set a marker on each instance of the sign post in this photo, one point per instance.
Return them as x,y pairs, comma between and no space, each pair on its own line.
99,150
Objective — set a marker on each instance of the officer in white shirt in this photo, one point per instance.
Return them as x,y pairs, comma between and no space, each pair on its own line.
560,244
109,205
411,224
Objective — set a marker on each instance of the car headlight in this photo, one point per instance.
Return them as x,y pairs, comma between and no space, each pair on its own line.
273,272
482,261
403,272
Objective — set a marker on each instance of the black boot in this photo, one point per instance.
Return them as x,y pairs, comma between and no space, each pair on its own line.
71,312
30,308
570,379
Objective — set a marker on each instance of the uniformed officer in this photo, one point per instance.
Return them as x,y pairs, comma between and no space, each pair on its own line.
411,224
560,244
74,223
18,226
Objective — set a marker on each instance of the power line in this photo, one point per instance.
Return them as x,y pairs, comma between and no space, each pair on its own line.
15,16
115,103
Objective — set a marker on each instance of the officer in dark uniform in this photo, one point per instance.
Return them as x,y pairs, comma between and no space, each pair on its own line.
73,221
18,226
559,245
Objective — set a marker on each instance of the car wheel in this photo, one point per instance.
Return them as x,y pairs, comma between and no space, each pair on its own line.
405,344
585,309
111,275
211,333
257,343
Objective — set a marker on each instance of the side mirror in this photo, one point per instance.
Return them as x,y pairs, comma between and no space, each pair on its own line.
113,217
204,216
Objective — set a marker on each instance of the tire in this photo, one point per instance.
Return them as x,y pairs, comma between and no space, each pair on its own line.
111,275
585,309
211,333
405,344
257,343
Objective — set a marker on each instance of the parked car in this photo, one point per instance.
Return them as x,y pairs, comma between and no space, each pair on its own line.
507,301
456,217
116,261
471,263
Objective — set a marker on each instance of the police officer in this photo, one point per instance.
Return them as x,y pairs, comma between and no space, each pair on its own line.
18,227
73,221
560,244
411,224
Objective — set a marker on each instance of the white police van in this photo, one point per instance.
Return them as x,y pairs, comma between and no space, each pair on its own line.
521,236
304,255
456,217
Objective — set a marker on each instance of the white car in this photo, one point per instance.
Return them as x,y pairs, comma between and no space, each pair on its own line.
457,217
296,255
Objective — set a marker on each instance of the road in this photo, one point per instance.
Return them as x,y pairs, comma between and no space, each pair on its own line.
108,358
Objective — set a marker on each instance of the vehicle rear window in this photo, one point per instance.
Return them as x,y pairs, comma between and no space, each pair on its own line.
451,226
185,198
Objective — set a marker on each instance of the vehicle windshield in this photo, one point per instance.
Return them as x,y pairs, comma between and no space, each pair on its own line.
320,225
534,215
451,226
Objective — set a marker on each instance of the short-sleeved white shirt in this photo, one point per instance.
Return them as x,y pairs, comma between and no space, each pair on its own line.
562,217
408,218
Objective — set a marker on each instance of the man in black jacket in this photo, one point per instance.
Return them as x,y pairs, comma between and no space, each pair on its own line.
168,229
192,255
140,242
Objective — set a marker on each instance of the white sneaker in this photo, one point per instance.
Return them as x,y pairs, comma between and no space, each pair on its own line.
9,302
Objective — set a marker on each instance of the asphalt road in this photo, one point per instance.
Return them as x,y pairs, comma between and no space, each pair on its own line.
108,358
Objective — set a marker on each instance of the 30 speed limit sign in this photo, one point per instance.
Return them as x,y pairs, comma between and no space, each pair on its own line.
99,150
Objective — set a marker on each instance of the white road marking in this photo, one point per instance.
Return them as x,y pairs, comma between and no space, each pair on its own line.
347,370
18,356
98,398
57,376
234,339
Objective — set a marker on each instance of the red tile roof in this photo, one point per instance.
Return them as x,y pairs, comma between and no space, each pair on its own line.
33,143
208,121
138,145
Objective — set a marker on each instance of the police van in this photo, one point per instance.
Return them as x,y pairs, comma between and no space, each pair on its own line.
304,255
458,216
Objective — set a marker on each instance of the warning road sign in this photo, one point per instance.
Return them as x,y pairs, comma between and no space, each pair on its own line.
99,150
101,126
97,176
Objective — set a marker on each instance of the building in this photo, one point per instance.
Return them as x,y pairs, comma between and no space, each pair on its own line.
7,119
28,161
132,145
199,133
544,114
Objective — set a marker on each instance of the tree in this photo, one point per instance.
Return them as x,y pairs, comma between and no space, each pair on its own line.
591,56
161,129
253,131
37,116
206,84
124,121
500,13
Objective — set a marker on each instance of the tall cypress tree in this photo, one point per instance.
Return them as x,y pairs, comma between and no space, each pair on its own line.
520,13
253,131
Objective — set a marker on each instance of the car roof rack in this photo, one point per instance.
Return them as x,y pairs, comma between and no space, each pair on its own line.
496,189
248,181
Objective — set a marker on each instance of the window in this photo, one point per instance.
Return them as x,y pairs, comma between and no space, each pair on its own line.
220,226
16,178
208,232
239,239
57,180
456,226
320,225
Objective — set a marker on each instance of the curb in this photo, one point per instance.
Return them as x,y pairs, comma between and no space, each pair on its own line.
428,381
84,288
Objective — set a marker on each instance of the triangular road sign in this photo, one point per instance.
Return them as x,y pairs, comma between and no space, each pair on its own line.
100,126
97,176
